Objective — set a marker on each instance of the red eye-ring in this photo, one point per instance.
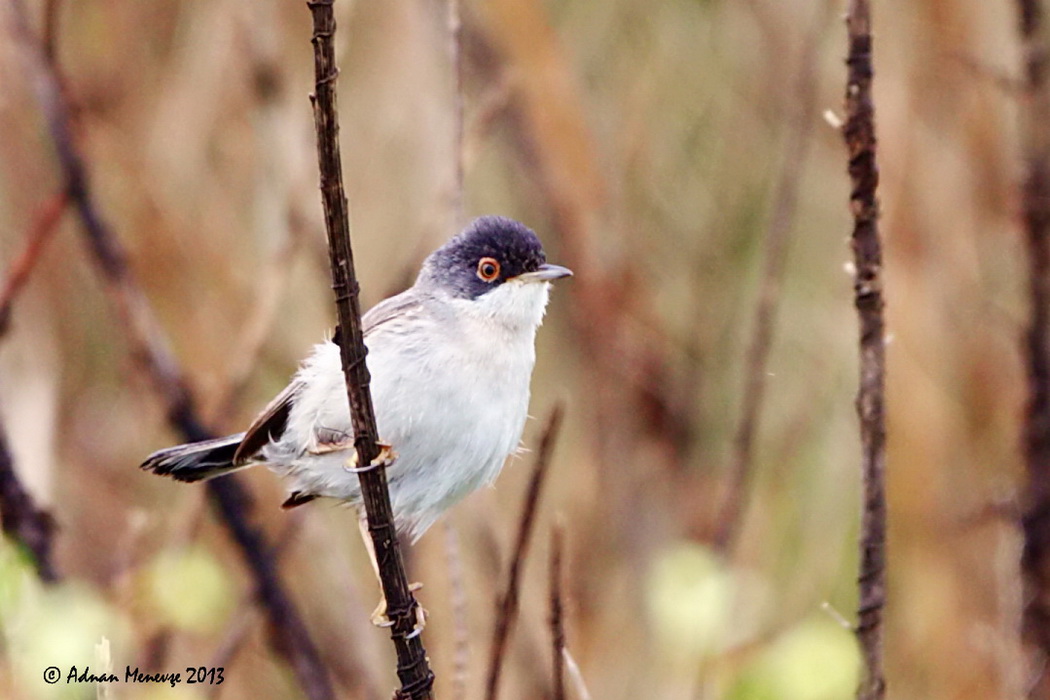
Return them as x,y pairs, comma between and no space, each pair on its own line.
488,269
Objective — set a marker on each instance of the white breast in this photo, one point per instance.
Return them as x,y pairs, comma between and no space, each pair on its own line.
450,384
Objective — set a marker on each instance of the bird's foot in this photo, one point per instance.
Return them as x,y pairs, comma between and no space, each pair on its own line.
380,619
385,458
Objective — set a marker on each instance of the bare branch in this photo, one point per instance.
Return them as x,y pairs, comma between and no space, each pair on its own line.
507,605
557,615
44,226
1035,201
777,239
413,669
859,134
460,607
455,51
20,517
149,347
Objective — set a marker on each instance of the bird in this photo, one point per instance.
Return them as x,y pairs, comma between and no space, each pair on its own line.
451,362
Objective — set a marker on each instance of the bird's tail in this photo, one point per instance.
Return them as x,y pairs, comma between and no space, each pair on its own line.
197,461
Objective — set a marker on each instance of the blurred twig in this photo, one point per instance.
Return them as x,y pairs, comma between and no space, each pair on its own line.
150,349
777,239
557,615
460,608
1035,202
44,226
257,326
20,517
237,631
413,669
575,675
859,134
455,51
50,40
507,604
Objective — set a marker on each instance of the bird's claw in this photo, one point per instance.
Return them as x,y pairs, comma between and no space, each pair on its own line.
380,619
385,458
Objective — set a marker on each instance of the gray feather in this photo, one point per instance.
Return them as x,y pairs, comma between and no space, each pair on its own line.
196,461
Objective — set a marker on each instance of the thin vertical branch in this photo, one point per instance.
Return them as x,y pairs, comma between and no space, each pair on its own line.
150,348
778,237
557,615
460,608
20,517
575,675
1035,202
507,605
50,41
455,51
859,134
413,669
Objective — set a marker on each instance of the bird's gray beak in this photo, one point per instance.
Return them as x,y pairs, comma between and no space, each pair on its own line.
545,273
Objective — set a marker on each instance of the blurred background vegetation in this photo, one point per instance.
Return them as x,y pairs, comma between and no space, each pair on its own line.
645,142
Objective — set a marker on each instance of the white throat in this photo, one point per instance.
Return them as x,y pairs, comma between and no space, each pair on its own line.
514,305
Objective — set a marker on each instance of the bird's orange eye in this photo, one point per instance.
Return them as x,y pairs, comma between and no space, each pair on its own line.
488,269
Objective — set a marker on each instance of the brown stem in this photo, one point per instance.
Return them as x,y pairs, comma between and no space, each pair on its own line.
460,607
44,227
557,615
413,669
507,609
859,134
150,348
20,517
776,245
1035,202
455,50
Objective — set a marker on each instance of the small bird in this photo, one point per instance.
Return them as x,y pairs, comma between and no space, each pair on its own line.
451,359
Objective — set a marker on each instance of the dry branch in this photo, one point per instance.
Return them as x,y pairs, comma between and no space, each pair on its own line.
460,606
20,517
455,52
776,243
413,669
149,347
507,605
557,616
1035,134
44,226
859,134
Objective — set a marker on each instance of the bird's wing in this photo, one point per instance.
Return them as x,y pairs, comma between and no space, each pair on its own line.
270,424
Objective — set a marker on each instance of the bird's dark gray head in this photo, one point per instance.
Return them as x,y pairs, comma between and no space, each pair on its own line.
488,253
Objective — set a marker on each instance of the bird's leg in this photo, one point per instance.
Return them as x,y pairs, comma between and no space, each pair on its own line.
379,616
330,440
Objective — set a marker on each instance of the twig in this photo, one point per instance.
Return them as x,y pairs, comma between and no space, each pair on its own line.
244,617
257,326
507,605
460,607
413,669
859,134
1035,202
557,617
455,51
777,239
20,517
575,675
150,349
50,41
44,226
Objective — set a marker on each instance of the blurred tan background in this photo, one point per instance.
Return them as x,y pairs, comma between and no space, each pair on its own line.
645,142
